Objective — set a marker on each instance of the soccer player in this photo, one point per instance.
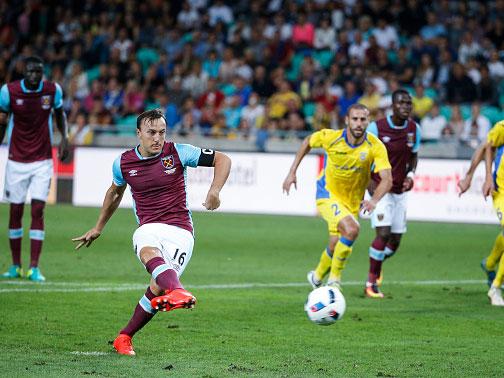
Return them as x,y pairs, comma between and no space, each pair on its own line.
30,102
155,170
351,155
401,136
493,185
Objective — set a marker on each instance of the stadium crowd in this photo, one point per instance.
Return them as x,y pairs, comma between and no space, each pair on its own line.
262,68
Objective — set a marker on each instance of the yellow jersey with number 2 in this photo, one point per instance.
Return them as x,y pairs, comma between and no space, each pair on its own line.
347,169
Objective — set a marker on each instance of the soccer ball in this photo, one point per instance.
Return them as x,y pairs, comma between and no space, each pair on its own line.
325,305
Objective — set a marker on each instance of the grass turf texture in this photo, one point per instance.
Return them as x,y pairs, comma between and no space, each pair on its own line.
445,329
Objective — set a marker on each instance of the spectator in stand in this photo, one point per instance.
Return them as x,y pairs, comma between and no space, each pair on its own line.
358,47
321,118
190,118
232,112
460,88
114,96
426,72
370,98
169,108
350,97
242,89
422,104
404,69
252,116
469,48
211,64
278,102
303,33
196,82
227,68
100,116
81,133
325,35
433,125
486,89
455,126
279,25
385,34
134,99
433,29
220,12
123,44
261,84
496,66
476,127
188,17
293,119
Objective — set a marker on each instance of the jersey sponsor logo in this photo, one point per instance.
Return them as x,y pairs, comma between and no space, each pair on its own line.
46,102
363,156
386,139
411,139
133,172
19,101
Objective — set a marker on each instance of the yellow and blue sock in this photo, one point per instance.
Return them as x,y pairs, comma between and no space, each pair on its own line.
324,265
341,254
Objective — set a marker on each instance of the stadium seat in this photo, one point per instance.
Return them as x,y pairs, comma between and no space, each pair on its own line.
324,57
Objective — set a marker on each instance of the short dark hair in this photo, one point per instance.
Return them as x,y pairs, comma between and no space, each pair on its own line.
399,92
33,59
149,116
357,106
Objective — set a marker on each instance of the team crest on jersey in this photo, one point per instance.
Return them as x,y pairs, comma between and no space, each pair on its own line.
411,139
168,163
46,102
380,217
363,156
386,139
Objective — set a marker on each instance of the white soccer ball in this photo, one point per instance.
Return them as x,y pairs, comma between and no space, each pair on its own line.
325,305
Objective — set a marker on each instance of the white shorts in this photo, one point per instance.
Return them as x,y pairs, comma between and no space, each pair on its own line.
391,211
175,243
23,177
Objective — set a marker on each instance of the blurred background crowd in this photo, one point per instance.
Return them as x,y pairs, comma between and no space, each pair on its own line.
259,69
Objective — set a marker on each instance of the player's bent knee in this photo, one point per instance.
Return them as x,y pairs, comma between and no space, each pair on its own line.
148,253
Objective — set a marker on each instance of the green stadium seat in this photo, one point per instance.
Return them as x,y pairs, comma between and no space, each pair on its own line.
93,74
324,57
309,109
293,73
126,125
493,113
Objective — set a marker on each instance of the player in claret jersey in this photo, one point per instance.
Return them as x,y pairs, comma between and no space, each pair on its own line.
155,170
401,136
30,103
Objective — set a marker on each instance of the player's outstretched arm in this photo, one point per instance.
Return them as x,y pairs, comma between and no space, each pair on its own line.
488,185
478,156
383,188
291,176
61,123
111,202
222,167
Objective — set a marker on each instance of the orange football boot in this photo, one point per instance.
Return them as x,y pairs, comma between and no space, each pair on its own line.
178,298
123,345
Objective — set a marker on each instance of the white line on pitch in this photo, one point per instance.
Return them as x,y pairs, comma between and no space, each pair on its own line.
73,287
78,353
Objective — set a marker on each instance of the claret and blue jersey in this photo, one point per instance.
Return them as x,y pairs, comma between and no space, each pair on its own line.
30,130
158,183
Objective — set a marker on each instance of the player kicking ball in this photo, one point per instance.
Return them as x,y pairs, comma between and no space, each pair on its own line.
491,151
155,170
401,136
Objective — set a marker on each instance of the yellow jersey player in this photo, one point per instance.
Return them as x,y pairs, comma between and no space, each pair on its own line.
351,156
494,184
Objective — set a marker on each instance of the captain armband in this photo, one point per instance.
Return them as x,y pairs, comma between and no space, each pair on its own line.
206,158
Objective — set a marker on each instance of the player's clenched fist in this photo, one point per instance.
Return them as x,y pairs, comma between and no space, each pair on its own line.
212,201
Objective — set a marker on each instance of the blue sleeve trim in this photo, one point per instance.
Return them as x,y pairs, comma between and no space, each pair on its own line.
118,178
188,154
373,128
58,97
416,147
346,241
4,98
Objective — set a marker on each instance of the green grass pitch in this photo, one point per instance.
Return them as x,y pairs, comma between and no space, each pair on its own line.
435,320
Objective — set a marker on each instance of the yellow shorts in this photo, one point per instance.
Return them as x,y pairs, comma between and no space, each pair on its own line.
498,203
333,211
